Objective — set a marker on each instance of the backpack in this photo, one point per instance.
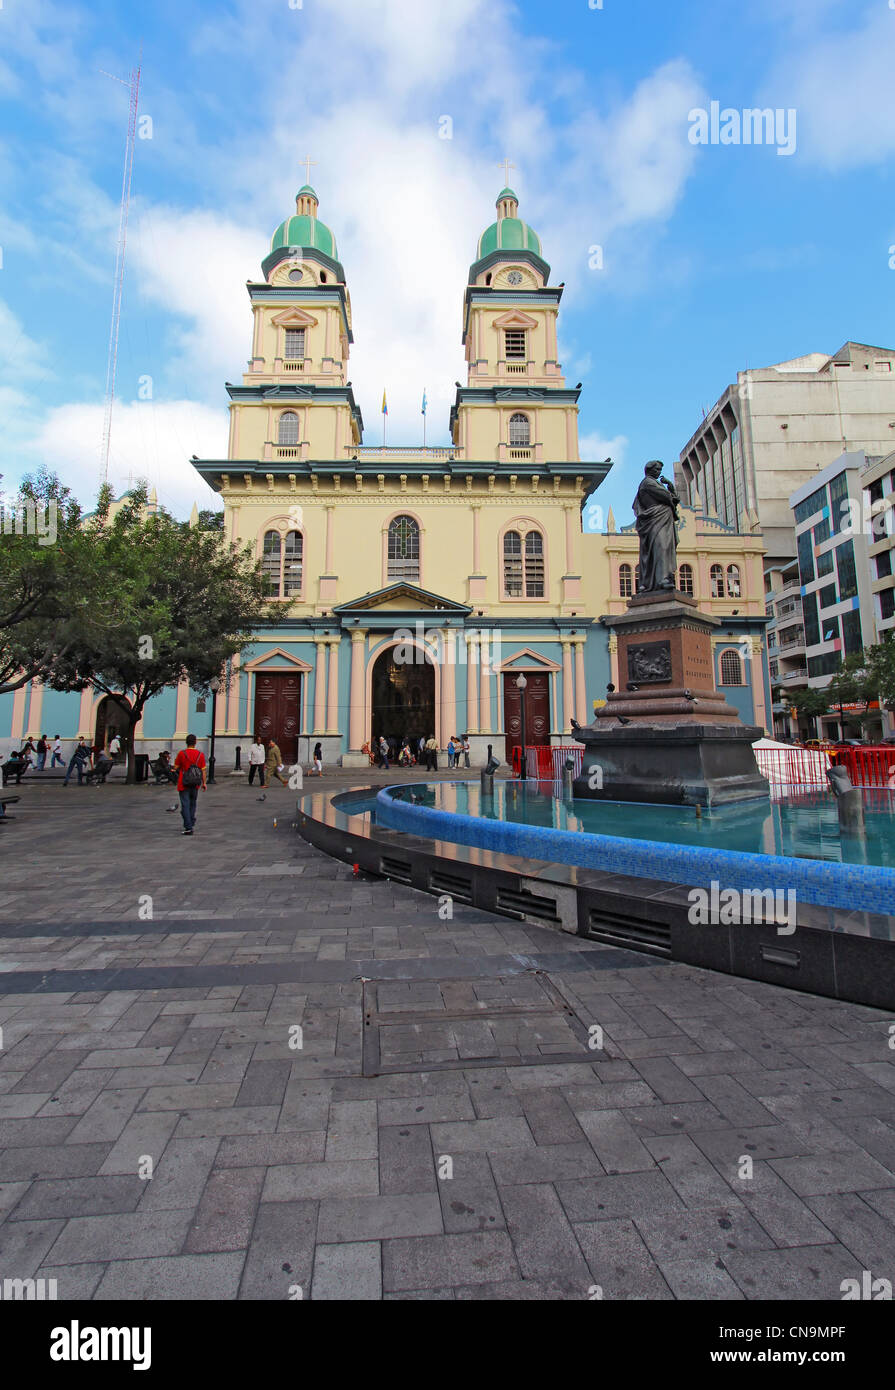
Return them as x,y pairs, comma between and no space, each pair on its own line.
192,776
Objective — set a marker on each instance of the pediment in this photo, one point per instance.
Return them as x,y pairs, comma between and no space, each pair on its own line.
527,660
400,598
515,318
276,659
294,318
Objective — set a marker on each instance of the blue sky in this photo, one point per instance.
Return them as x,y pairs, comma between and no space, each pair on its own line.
715,257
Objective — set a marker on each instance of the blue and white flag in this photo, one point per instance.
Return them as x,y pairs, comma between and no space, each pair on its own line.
425,402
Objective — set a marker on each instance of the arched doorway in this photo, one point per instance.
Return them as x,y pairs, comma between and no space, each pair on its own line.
403,695
110,720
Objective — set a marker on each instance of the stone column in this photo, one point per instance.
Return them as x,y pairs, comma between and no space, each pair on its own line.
485,722
319,687
580,690
448,686
476,546
330,523
332,692
472,689
568,700
356,707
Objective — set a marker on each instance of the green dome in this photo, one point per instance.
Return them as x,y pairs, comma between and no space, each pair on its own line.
305,231
304,228
508,234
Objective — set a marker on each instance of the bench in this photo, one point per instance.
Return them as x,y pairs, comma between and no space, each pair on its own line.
6,801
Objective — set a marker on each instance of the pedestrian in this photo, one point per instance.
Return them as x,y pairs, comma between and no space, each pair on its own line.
421,750
28,754
274,762
317,770
80,761
115,746
431,754
57,752
450,751
257,758
191,764
383,752
466,750
42,750
406,755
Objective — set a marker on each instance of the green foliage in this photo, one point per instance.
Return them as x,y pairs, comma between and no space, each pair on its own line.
171,602
44,572
211,520
809,702
881,662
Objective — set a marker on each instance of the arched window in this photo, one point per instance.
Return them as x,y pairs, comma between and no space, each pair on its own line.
270,564
717,578
281,564
625,584
733,581
292,558
520,431
512,564
534,565
287,429
685,579
731,668
524,573
403,548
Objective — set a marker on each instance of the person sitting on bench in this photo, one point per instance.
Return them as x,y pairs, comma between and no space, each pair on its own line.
14,767
162,769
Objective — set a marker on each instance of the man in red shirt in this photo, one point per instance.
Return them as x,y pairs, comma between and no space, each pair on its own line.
190,764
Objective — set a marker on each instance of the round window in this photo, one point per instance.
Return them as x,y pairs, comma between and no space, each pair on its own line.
296,275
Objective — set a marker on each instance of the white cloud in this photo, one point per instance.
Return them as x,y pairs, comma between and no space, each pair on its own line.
406,206
842,90
149,440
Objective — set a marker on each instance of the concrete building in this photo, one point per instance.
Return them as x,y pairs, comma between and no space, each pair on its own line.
825,607
770,432
878,488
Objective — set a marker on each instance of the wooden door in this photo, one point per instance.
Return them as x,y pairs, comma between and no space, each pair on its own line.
537,710
278,711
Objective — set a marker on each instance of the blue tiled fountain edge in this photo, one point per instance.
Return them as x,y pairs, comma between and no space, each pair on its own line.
856,887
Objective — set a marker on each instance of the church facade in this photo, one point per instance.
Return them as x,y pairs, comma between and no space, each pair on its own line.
413,586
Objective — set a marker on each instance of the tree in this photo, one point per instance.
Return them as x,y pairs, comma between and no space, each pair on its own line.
45,572
881,663
210,520
178,602
809,702
853,684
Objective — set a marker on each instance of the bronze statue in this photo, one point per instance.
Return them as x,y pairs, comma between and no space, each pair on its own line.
656,509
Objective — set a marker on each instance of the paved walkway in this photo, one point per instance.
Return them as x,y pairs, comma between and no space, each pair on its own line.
336,1091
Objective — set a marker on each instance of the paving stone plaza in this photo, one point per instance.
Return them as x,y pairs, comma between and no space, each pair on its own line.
232,1071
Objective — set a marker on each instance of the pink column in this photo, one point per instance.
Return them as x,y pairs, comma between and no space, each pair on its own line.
448,688
233,696
320,688
580,692
472,689
332,693
485,725
568,703
356,710
330,522
570,543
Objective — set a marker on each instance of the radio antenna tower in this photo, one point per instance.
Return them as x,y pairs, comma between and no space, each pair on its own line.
133,84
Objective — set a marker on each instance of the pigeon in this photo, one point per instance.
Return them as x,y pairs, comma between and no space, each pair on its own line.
262,797
622,719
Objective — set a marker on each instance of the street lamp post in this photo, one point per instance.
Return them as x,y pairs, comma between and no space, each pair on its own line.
521,683
214,686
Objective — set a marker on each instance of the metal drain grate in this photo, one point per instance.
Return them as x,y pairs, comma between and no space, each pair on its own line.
438,1025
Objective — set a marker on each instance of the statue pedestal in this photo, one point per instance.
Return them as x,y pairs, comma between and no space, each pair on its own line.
674,739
